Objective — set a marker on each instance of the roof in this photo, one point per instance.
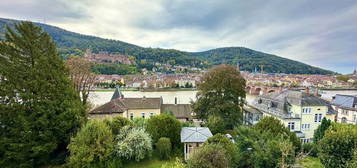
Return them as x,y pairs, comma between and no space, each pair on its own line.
195,134
279,103
296,97
345,101
117,94
114,106
143,103
178,110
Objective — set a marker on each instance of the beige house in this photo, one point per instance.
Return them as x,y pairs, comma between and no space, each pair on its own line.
139,108
346,107
127,107
193,138
301,112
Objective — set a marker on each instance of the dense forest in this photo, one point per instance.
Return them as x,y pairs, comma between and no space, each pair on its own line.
75,43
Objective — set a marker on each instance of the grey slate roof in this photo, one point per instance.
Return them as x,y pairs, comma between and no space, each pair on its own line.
345,101
117,94
195,134
278,103
143,103
181,111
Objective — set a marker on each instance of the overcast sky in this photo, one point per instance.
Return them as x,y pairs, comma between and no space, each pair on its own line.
318,32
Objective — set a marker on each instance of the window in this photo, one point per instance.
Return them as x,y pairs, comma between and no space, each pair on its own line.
306,110
305,127
131,116
305,140
142,115
291,125
345,112
274,105
354,117
260,101
318,117
344,120
151,114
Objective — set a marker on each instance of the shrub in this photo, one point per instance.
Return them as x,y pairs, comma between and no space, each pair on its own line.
117,123
164,125
336,148
216,124
320,131
310,149
163,147
209,156
93,145
276,128
177,164
228,146
133,143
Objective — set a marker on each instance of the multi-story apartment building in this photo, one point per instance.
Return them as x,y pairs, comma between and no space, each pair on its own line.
346,107
301,112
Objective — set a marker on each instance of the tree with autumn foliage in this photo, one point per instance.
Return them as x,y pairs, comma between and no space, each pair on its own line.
82,76
221,93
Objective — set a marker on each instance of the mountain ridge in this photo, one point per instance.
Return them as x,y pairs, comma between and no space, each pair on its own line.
70,42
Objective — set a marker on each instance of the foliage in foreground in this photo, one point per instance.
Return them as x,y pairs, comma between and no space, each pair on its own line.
133,143
339,145
39,109
163,147
209,156
258,148
92,146
164,125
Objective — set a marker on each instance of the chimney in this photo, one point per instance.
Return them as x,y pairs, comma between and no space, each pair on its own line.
307,90
175,100
316,92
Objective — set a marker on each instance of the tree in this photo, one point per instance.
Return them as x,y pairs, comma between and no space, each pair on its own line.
81,75
163,147
338,145
216,124
320,131
209,156
164,125
133,143
117,123
221,93
262,149
276,128
228,146
93,145
39,109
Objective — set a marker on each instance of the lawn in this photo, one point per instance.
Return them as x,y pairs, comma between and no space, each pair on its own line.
152,163
311,162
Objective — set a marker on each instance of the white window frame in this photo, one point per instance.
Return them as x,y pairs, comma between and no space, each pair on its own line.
291,126
305,127
306,110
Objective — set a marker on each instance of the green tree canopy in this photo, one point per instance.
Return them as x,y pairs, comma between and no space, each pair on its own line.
163,147
277,128
133,143
117,123
338,146
209,156
39,109
320,131
92,146
221,93
164,125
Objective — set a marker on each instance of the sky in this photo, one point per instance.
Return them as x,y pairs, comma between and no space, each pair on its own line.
321,33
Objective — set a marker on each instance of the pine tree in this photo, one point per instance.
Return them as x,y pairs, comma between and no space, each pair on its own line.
39,109
320,131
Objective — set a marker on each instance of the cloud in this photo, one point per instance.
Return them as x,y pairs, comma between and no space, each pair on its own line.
319,32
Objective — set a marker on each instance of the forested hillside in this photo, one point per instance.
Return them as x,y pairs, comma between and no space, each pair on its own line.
75,43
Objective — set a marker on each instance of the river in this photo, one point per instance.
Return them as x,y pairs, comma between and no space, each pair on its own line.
184,97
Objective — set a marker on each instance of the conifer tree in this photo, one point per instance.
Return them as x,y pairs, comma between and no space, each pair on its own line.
39,109
320,131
